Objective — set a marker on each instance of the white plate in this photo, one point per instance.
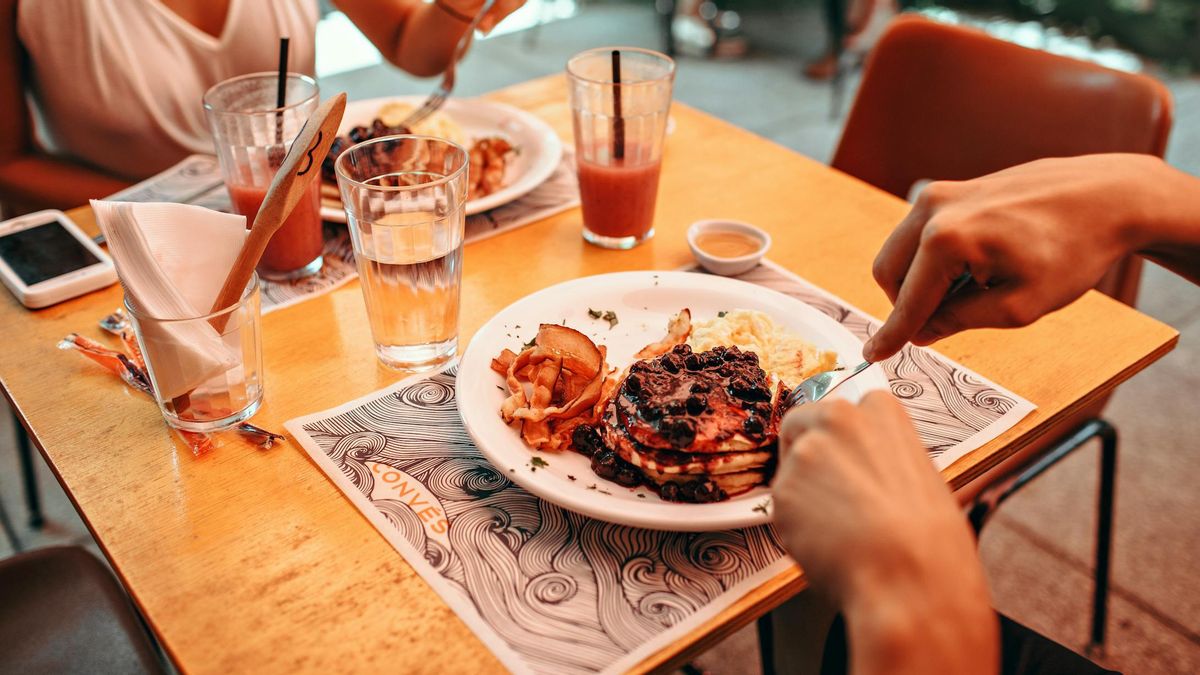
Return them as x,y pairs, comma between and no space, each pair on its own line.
538,148
643,301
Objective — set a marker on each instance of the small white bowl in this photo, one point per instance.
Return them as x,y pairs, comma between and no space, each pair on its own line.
728,267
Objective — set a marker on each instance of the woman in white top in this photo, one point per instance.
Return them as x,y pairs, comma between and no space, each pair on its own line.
117,84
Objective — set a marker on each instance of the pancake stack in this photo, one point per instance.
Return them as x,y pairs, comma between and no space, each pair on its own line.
695,427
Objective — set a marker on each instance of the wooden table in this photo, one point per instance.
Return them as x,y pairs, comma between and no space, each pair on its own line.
280,573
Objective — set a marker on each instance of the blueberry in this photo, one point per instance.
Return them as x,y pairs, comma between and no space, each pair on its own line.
628,476
669,491
671,363
604,464
693,362
688,490
650,413
682,350
586,440
696,404
752,425
680,432
633,384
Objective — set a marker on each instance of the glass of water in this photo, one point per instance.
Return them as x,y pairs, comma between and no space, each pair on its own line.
405,200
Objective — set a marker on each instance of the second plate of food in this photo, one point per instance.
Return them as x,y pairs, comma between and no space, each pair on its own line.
535,149
601,395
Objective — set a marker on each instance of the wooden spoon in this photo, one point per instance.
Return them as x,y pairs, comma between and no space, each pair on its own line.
300,168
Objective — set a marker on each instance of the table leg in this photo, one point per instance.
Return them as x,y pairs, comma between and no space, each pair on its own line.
1104,527
32,496
835,18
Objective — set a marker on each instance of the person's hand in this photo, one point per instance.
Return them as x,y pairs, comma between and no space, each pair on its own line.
1034,238
860,507
855,486
499,11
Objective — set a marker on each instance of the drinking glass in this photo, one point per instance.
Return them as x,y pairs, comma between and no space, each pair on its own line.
252,135
620,128
205,370
405,199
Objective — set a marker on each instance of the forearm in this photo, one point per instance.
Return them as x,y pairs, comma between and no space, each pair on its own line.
427,41
1169,228
414,36
926,611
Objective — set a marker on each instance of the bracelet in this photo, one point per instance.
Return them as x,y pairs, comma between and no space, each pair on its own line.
440,4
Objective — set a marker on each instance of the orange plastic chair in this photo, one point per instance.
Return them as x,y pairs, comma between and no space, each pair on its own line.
29,178
944,102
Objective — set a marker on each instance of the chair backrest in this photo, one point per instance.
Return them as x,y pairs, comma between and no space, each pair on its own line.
944,102
15,133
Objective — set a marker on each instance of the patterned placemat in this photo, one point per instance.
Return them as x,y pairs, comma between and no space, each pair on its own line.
548,590
197,180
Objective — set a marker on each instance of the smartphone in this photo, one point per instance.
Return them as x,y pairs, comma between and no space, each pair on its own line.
45,258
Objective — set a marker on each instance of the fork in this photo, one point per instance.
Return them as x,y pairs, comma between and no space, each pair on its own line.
818,386
438,98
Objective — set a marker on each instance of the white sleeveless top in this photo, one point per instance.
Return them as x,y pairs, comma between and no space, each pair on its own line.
119,83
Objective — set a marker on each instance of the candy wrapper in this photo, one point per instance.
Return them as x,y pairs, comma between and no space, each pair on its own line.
131,368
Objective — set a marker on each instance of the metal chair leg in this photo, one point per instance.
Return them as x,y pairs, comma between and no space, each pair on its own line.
1104,528
9,530
766,644
32,495
1107,434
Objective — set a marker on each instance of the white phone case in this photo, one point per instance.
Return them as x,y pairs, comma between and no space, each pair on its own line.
65,286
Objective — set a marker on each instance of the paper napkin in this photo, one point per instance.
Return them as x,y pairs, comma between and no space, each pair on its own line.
172,260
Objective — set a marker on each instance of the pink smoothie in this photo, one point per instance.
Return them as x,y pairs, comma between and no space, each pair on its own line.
298,242
618,200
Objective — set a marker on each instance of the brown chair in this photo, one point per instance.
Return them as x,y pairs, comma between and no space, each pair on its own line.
30,179
944,102
61,611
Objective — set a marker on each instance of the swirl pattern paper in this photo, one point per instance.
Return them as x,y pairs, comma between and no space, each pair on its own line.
548,590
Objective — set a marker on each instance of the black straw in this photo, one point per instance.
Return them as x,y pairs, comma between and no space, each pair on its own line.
618,149
281,91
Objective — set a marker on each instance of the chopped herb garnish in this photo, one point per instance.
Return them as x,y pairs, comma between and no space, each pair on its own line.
537,463
592,486
606,315
605,492
570,476
721,314
512,470
763,506
501,388
530,344
641,495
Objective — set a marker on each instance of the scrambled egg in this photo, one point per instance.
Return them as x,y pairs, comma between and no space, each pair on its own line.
438,124
782,354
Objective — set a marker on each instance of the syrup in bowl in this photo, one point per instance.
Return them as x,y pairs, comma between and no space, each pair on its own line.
727,243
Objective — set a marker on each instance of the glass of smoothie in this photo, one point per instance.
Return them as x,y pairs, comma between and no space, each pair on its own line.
251,134
620,101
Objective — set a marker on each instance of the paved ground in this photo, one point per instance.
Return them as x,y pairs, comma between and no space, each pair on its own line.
1038,550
